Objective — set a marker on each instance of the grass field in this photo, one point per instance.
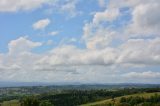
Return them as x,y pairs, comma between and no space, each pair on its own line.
103,102
11,103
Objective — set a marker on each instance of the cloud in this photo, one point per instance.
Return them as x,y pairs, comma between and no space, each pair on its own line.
71,55
97,36
54,33
70,8
41,24
66,7
70,59
140,51
19,58
107,15
143,75
108,54
20,5
127,3
144,15
102,3
22,45
100,39
145,19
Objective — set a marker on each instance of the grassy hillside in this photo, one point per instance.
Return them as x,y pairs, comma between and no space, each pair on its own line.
11,103
98,103
103,102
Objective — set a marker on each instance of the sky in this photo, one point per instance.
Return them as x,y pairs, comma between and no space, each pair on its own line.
84,41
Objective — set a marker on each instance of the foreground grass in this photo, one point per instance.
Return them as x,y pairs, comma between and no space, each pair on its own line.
11,103
103,102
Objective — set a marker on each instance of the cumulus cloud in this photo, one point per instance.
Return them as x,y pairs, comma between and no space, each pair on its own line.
97,36
107,15
19,60
70,56
73,60
127,53
17,5
95,33
22,45
140,51
41,24
146,19
20,56
102,54
98,40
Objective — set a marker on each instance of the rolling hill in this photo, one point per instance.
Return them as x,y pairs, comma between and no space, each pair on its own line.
107,101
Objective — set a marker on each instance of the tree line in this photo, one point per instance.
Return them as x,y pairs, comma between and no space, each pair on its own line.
78,97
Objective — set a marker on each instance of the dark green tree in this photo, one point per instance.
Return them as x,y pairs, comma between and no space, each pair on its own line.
30,101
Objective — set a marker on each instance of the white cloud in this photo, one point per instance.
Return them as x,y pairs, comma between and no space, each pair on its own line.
72,60
95,34
70,8
54,33
140,51
146,19
17,5
66,7
101,57
19,59
128,3
100,39
107,15
97,37
41,24
22,45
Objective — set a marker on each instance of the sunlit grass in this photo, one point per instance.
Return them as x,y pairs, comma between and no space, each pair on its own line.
103,102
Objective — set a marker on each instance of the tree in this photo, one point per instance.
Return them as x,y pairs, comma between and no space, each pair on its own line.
30,101
122,100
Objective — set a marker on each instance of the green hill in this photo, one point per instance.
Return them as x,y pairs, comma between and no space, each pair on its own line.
116,100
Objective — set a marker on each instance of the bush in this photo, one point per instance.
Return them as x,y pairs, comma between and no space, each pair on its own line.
46,103
30,101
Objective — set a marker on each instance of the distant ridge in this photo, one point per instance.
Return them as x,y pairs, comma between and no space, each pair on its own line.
75,84
20,84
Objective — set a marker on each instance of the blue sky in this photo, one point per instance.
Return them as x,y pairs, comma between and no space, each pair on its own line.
115,41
